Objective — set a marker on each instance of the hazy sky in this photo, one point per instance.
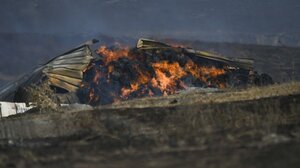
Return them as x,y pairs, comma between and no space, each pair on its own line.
243,21
151,16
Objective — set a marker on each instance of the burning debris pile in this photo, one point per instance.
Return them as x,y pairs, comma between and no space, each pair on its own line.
112,74
157,69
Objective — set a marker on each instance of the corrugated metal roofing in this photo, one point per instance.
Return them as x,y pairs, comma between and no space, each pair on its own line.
66,71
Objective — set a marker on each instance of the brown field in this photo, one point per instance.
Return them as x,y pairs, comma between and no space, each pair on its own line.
256,127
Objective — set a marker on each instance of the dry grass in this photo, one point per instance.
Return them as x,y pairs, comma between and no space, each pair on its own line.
255,93
208,97
210,134
43,96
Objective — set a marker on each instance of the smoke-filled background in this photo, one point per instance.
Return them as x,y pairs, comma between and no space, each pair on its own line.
32,31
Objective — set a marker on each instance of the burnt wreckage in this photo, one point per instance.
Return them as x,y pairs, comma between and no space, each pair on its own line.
117,73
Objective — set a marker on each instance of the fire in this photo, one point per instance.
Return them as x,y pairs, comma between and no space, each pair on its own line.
166,75
126,92
97,77
140,75
92,96
202,72
110,55
173,69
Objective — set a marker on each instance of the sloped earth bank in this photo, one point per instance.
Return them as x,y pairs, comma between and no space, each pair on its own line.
258,127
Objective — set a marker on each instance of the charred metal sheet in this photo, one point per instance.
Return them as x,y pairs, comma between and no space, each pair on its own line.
64,71
245,63
150,44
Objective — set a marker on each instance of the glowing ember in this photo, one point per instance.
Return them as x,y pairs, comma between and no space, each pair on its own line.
97,77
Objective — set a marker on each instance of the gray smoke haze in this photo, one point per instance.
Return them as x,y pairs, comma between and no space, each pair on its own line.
219,20
33,31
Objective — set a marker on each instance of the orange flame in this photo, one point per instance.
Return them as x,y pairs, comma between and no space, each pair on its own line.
110,55
165,76
202,72
97,77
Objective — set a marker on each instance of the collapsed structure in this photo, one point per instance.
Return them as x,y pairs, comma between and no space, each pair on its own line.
117,73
